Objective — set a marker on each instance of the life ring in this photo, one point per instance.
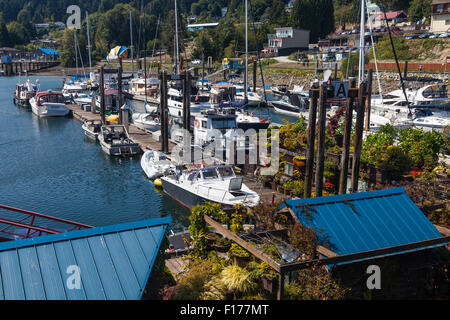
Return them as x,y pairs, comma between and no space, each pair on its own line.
197,123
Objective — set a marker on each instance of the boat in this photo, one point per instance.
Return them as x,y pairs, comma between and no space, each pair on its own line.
92,128
155,164
280,89
217,184
74,90
49,104
290,104
115,141
147,121
24,92
199,102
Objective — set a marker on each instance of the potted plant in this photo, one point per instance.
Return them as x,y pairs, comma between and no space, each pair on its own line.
211,237
240,256
269,277
222,245
299,161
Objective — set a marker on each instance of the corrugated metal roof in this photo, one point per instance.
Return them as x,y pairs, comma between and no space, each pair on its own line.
114,263
365,221
49,51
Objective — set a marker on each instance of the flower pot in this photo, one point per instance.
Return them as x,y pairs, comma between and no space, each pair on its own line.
211,237
241,261
220,247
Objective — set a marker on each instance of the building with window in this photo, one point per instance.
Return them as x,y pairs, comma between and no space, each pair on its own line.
287,40
440,16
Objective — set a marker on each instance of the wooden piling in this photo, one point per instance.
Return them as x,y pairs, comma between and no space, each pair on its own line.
346,139
254,75
163,113
187,100
320,157
313,96
405,71
358,136
102,94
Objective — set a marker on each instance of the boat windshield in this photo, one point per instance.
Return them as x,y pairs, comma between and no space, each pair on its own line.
224,123
226,172
210,173
52,98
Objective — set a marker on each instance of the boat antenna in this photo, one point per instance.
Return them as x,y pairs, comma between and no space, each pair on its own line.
396,60
89,41
176,38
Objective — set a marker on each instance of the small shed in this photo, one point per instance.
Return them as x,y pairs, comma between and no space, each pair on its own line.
112,262
367,225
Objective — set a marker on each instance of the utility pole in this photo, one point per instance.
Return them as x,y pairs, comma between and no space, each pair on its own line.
309,170
102,94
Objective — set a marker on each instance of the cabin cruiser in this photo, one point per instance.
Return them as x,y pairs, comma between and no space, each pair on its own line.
155,164
74,90
92,128
147,121
430,97
280,89
49,104
199,102
217,184
253,99
137,87
115,141
290,104
245,120
24,92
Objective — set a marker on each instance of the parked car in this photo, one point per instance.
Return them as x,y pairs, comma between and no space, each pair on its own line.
434,35
444,35
425,35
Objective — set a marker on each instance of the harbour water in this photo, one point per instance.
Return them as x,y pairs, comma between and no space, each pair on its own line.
48,166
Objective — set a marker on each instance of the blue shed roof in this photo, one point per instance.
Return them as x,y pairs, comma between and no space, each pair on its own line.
114,262
49,51
365,221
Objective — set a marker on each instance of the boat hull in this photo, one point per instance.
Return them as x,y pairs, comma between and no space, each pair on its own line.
182,196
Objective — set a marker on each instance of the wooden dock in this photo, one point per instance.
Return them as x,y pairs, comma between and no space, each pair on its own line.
147,141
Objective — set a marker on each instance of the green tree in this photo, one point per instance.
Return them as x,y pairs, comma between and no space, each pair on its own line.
18,33
419,9
5,40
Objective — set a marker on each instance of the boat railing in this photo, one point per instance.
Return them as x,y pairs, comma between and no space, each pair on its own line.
13,225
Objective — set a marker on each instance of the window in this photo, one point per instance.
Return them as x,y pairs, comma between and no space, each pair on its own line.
447,22
439,8
204,124
226,172
209,174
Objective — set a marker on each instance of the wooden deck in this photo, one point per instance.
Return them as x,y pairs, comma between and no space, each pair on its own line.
176,266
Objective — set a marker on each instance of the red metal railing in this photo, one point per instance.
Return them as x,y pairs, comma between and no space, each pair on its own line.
28,224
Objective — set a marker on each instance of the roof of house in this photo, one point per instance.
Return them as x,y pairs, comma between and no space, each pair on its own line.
358,222
392,14
49,51
113,262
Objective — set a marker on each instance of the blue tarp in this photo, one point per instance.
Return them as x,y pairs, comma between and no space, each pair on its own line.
49,51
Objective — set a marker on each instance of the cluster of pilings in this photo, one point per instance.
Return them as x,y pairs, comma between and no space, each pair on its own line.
16,68
358,99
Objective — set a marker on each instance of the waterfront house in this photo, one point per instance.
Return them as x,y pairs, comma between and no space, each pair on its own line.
287,40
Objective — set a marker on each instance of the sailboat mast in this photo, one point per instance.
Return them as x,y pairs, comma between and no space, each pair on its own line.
89,41
246,48
131,45
361,44
75,45
176,38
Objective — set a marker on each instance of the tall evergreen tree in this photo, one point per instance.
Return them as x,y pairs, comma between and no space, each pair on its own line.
5,40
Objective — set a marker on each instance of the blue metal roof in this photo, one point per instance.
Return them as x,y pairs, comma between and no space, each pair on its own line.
365,221
114,263
49,51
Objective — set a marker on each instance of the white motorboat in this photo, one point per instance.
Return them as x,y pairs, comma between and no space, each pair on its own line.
49,104
92,128
199,103
115,141
217,184
290,104
155,164
147,121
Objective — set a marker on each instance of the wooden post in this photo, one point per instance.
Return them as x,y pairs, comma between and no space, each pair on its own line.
405,71
320,158
314,95
187,100
358,136
102,94
346,139
120,93
163,113
335,70
254,76
368,99
280,291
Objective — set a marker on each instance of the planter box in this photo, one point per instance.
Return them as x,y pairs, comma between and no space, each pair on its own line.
270,285
241,261
221,248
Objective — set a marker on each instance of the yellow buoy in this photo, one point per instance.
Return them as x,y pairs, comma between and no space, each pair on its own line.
157,183
113,118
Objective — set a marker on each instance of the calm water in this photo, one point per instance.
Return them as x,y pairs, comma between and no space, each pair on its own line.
48,166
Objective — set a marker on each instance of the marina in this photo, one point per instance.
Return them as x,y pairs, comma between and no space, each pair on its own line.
167,169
